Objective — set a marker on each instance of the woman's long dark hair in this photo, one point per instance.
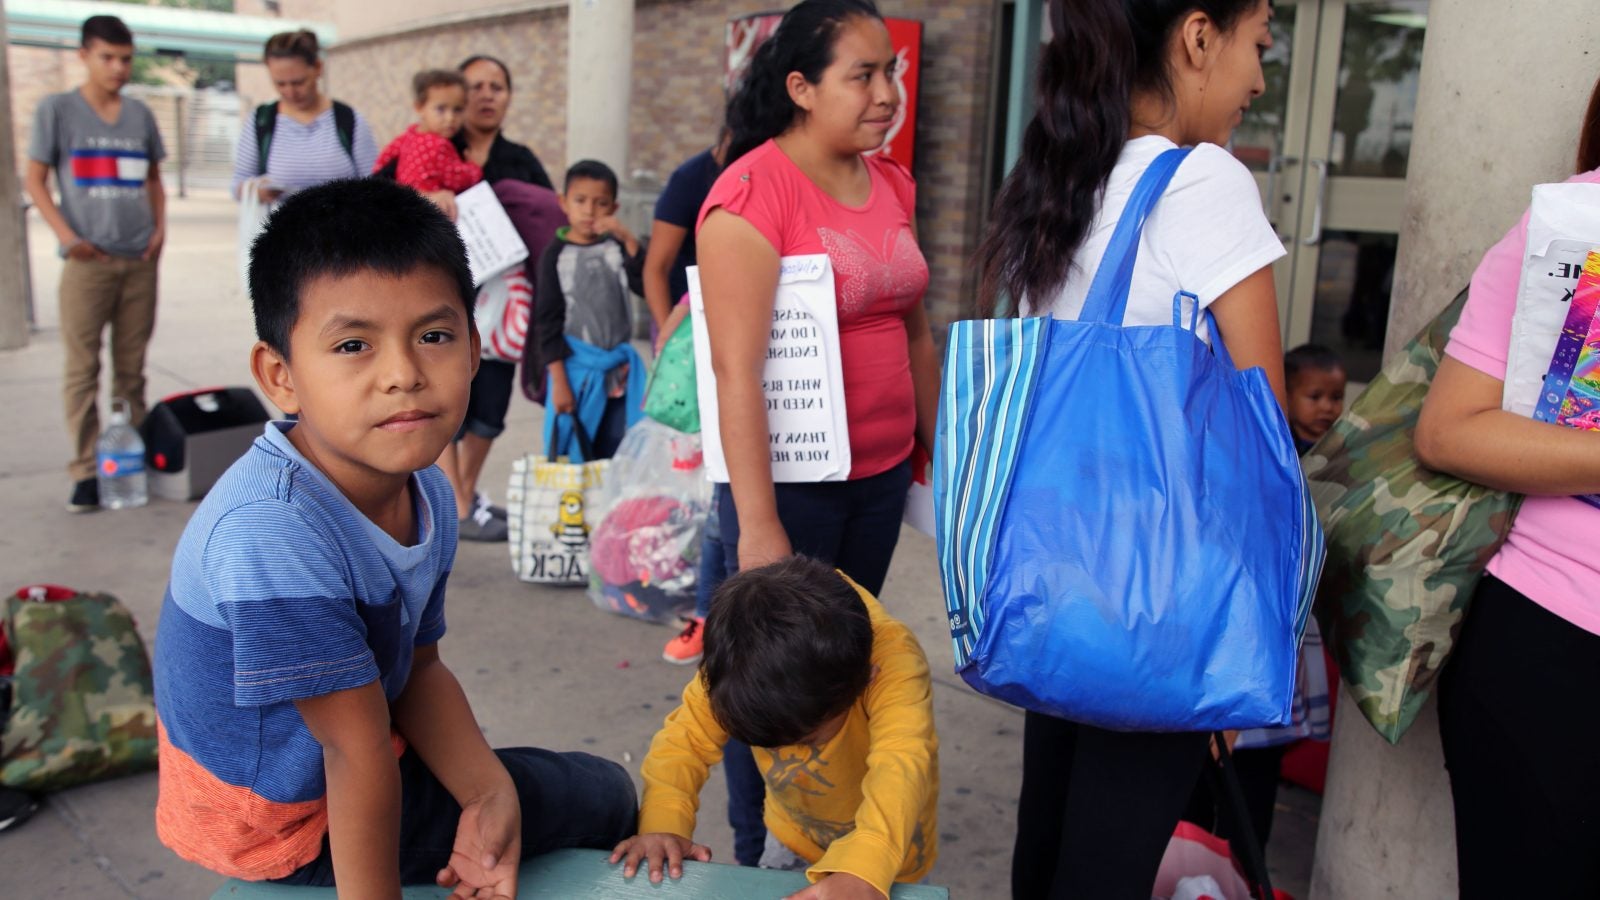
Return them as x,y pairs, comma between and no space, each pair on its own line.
1589,137
761,109
1101,52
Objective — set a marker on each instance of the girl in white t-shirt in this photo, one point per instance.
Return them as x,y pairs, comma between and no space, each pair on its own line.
1120,82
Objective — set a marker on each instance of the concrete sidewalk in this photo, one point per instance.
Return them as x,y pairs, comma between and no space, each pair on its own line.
541,666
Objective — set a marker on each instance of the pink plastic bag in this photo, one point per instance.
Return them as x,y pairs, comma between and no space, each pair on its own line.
1195,851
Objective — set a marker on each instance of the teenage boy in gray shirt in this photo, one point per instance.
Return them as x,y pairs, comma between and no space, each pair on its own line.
111,221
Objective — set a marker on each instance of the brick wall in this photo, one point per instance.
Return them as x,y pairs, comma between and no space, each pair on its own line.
35,73
677,100
374,76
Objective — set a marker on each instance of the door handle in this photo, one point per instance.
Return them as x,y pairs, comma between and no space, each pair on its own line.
1274,167
1315,237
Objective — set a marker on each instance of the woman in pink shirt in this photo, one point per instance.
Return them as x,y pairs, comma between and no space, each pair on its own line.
1516,699
820,96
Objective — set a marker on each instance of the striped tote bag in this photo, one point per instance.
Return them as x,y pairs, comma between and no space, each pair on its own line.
1125,536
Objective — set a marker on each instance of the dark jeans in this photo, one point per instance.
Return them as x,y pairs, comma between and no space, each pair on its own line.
1517,721
713,561
853,525
1098,808
568,800
613,428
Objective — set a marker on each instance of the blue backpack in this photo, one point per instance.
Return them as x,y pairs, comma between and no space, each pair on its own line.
1125,536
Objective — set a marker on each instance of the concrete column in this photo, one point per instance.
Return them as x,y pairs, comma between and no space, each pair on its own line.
13,248
599,82
1501,100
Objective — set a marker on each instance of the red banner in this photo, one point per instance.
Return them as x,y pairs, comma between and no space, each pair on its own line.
746,33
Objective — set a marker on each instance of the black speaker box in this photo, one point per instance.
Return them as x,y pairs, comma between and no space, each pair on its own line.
190,439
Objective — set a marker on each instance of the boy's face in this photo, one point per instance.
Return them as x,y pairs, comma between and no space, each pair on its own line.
587,202
443,110
1316,398
109,66
379,370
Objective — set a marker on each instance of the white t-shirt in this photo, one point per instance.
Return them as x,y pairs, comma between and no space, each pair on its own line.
1206,234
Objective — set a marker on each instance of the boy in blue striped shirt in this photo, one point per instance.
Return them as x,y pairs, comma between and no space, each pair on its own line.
309,731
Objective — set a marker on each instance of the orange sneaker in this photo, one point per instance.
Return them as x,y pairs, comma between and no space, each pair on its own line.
687,648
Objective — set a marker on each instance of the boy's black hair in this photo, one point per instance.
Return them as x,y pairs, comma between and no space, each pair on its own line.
1310,356
428,79
338,229
110,29
592,169
788,646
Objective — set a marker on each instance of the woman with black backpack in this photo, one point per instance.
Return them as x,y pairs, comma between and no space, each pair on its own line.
305,138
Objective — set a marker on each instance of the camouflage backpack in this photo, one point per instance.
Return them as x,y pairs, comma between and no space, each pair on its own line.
82,704
1406,545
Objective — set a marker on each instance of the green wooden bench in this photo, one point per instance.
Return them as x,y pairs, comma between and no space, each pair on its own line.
569,874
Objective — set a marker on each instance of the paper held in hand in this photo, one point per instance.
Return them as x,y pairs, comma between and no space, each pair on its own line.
808,437
493,244
1563,226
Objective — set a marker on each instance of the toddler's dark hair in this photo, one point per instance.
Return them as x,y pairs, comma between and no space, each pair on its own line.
341,228
1309,356
110,29
594,170
788,646
428,79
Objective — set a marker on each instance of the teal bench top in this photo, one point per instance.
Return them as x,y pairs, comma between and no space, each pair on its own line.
578,874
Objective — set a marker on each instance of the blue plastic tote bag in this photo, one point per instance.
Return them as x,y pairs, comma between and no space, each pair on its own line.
1125,536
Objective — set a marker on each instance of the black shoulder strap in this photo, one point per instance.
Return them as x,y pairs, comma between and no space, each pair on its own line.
266,120
344,122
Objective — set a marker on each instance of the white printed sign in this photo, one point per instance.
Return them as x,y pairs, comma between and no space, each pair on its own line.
493,244
809,439
1563,226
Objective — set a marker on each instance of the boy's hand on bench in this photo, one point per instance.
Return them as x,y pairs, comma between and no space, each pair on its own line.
488,849
663,854
839,886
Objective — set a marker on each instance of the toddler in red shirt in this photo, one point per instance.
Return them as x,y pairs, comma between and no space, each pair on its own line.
427,161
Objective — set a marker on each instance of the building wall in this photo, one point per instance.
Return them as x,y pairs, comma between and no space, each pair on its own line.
677,100
374,76
35,73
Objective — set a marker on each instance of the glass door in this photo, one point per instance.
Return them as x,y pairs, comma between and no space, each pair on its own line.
1329,142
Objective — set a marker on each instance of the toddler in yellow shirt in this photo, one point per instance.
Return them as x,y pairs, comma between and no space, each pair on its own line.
834,698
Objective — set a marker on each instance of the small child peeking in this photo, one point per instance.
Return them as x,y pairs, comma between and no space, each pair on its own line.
427,161
584,318
834,698
1316,379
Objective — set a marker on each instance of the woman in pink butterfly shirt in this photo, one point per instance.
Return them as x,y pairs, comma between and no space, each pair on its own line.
1516,712
800,183
820,96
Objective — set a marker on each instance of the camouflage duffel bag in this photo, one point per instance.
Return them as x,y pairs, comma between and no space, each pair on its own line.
1406,545
82,706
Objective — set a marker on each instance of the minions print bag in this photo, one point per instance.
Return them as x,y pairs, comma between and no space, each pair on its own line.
550,506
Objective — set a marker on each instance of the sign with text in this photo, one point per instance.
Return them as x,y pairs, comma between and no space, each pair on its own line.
493,244
803,382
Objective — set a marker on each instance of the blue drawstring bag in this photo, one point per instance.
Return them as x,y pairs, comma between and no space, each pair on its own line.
1125,536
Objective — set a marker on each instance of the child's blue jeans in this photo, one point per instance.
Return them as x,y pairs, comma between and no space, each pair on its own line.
568,800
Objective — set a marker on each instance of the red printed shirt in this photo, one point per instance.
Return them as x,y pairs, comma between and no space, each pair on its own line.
879,277
428,163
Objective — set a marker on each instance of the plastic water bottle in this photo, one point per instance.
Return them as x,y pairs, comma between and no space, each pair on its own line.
119,462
